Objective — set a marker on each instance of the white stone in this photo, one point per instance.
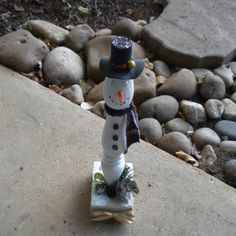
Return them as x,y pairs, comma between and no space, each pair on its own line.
226,75
62,66
47,30
230,109
74,94
214,108
194,112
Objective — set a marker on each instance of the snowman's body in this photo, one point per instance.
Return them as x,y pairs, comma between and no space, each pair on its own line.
114,132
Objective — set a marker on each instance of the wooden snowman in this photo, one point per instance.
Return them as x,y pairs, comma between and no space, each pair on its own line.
112,174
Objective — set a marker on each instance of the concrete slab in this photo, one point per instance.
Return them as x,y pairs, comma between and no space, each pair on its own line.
47,149
194,33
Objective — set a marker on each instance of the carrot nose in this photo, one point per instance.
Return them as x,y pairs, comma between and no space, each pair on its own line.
121,96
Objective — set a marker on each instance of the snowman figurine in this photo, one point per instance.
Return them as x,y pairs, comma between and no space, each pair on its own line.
121,129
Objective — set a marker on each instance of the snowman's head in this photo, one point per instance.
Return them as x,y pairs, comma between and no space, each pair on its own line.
117,93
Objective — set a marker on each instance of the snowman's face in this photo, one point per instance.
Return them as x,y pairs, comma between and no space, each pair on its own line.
117,93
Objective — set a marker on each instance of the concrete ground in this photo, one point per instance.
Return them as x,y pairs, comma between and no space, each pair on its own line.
47,149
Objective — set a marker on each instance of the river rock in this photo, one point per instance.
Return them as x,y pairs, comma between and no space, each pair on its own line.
144,87
62,66
101,47
162,108
234,86
161,68
225,74
208,157
74,94
103,32
150,130
232,66
204,136
183,80
192,34
228,146
200,73
99,109
174,142
212,86
230,172
233,97
178,124
21,51
230,109
214,108
127,27
95,95
226,128
194,112
47,30
79,36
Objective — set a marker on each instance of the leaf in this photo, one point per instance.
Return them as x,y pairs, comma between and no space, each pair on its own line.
84,10
87,105
18,7
98,177
100,188
187,158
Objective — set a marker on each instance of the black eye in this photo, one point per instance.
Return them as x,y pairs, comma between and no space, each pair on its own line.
109,96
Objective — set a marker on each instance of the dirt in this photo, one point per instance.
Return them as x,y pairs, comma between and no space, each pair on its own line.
101,13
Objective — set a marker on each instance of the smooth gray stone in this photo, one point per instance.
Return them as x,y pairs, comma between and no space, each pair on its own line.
162,108
74,94
230,109
194,33
47,30
150,130
144,86
212,86
194,112
21,51
232,65
62,66
161,68
99,109
178,124
174,142
228,146
204,136
226,75
79,36
127,27
200,73
230,172
180,81
214,108
226,128
208,156
233,97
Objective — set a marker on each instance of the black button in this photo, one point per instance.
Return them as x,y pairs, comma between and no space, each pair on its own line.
115,126
115,147
115,137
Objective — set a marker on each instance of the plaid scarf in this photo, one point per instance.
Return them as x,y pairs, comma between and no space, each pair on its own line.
132,130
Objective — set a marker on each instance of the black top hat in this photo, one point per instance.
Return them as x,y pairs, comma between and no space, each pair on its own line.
121,65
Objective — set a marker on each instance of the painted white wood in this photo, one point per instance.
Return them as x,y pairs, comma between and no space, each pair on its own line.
113,161
101,202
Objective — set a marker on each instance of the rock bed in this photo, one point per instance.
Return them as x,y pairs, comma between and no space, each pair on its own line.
188,113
